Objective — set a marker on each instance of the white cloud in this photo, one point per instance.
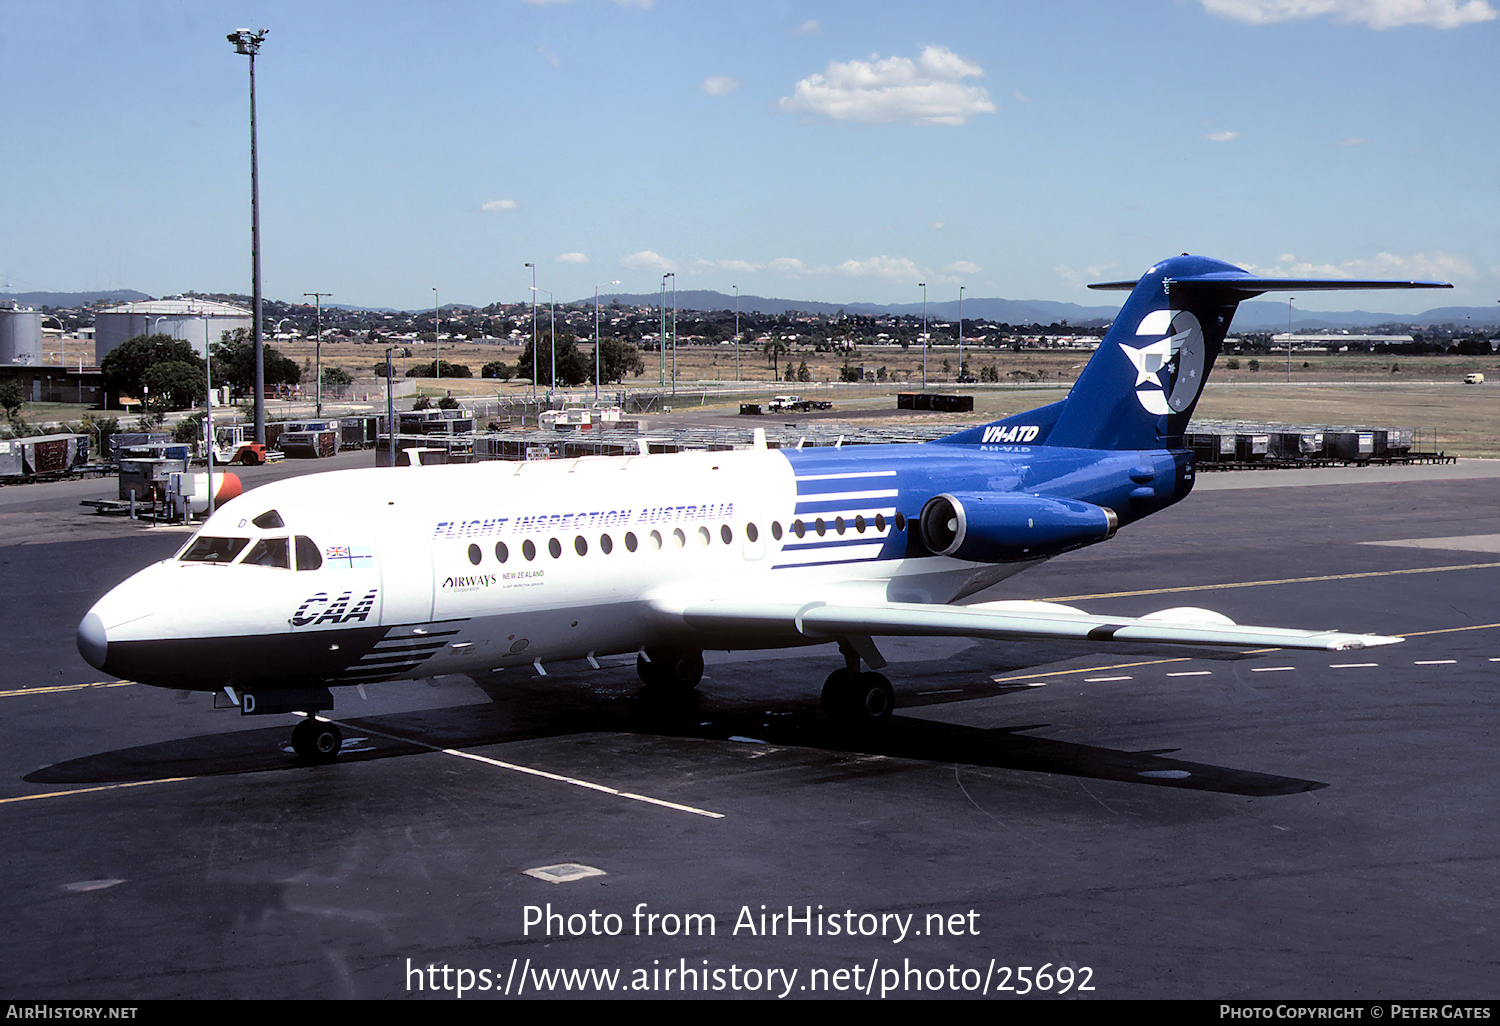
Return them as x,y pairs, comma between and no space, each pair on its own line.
572,258
962,267
927,91
550,57
787,265
644,5
807,28
1222,136
1377,14
879,267
1423,266
1096,272
937,225
499,205
646,260
719,85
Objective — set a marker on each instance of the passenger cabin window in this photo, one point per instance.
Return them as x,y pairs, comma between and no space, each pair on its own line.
269,552
308,556
213,550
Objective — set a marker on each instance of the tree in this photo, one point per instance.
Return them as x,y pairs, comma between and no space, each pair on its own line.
429,370
495,369
572,367
234,363
617,358
175,385
337,380
12,398
124,369
774,350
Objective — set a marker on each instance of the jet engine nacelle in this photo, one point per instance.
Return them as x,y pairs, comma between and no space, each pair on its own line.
1007,528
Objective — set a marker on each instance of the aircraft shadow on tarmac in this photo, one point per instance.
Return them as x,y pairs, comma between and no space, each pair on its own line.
562,705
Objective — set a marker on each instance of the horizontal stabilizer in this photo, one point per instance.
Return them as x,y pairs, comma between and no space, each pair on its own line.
1244,285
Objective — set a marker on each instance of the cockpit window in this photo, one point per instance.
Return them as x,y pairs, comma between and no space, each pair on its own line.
269,552
268,521
205,549
308,556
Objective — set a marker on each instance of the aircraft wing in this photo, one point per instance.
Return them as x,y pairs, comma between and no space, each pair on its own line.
1008,620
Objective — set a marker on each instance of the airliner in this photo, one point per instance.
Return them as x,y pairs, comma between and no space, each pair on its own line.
360,576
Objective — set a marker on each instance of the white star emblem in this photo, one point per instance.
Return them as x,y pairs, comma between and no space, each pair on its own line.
1149,360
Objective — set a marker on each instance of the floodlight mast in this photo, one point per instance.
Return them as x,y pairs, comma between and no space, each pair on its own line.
596,339
248,43
318,348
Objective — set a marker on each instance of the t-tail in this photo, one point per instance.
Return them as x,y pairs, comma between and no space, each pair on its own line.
1141,386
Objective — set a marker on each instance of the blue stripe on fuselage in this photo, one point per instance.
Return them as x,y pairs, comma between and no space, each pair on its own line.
1132,483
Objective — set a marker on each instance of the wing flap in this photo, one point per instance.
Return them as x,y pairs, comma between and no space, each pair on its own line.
1004,620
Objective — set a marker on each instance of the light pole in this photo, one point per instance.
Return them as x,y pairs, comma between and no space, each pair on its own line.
390,403
552,330
960,333
437,337
924,334
736,334
673,276
596,339
1289,339
318,347
661,336
533,329
248,43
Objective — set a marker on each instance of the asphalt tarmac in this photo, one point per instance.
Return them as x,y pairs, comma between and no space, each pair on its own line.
1122,821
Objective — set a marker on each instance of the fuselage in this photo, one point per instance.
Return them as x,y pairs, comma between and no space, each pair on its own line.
369,575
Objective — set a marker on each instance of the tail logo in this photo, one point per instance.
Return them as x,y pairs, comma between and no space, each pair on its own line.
1178,354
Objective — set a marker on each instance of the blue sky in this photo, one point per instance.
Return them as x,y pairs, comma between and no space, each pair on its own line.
836,151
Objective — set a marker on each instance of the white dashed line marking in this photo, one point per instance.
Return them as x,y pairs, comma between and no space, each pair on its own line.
1434,662
1349,666
1104,680
1192,673
1270,669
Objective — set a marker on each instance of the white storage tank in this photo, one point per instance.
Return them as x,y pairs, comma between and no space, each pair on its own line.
20,334
199,322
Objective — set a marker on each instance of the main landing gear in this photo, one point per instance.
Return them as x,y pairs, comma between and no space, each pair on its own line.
851,697
669,672
856,699
317,740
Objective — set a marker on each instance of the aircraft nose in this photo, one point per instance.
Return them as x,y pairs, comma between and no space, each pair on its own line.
93,643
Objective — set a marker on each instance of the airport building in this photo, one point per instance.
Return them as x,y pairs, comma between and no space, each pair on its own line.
196,321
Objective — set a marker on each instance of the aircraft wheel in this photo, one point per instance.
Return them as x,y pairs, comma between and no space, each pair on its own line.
317,740
836,691
858,700
671,671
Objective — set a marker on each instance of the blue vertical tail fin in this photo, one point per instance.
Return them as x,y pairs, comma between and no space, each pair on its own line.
1139,389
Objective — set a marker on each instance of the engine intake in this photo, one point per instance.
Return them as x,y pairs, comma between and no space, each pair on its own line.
1008,528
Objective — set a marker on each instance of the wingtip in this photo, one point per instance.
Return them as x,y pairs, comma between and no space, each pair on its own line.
1354,642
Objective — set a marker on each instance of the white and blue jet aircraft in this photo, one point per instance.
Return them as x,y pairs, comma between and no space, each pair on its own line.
397,574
